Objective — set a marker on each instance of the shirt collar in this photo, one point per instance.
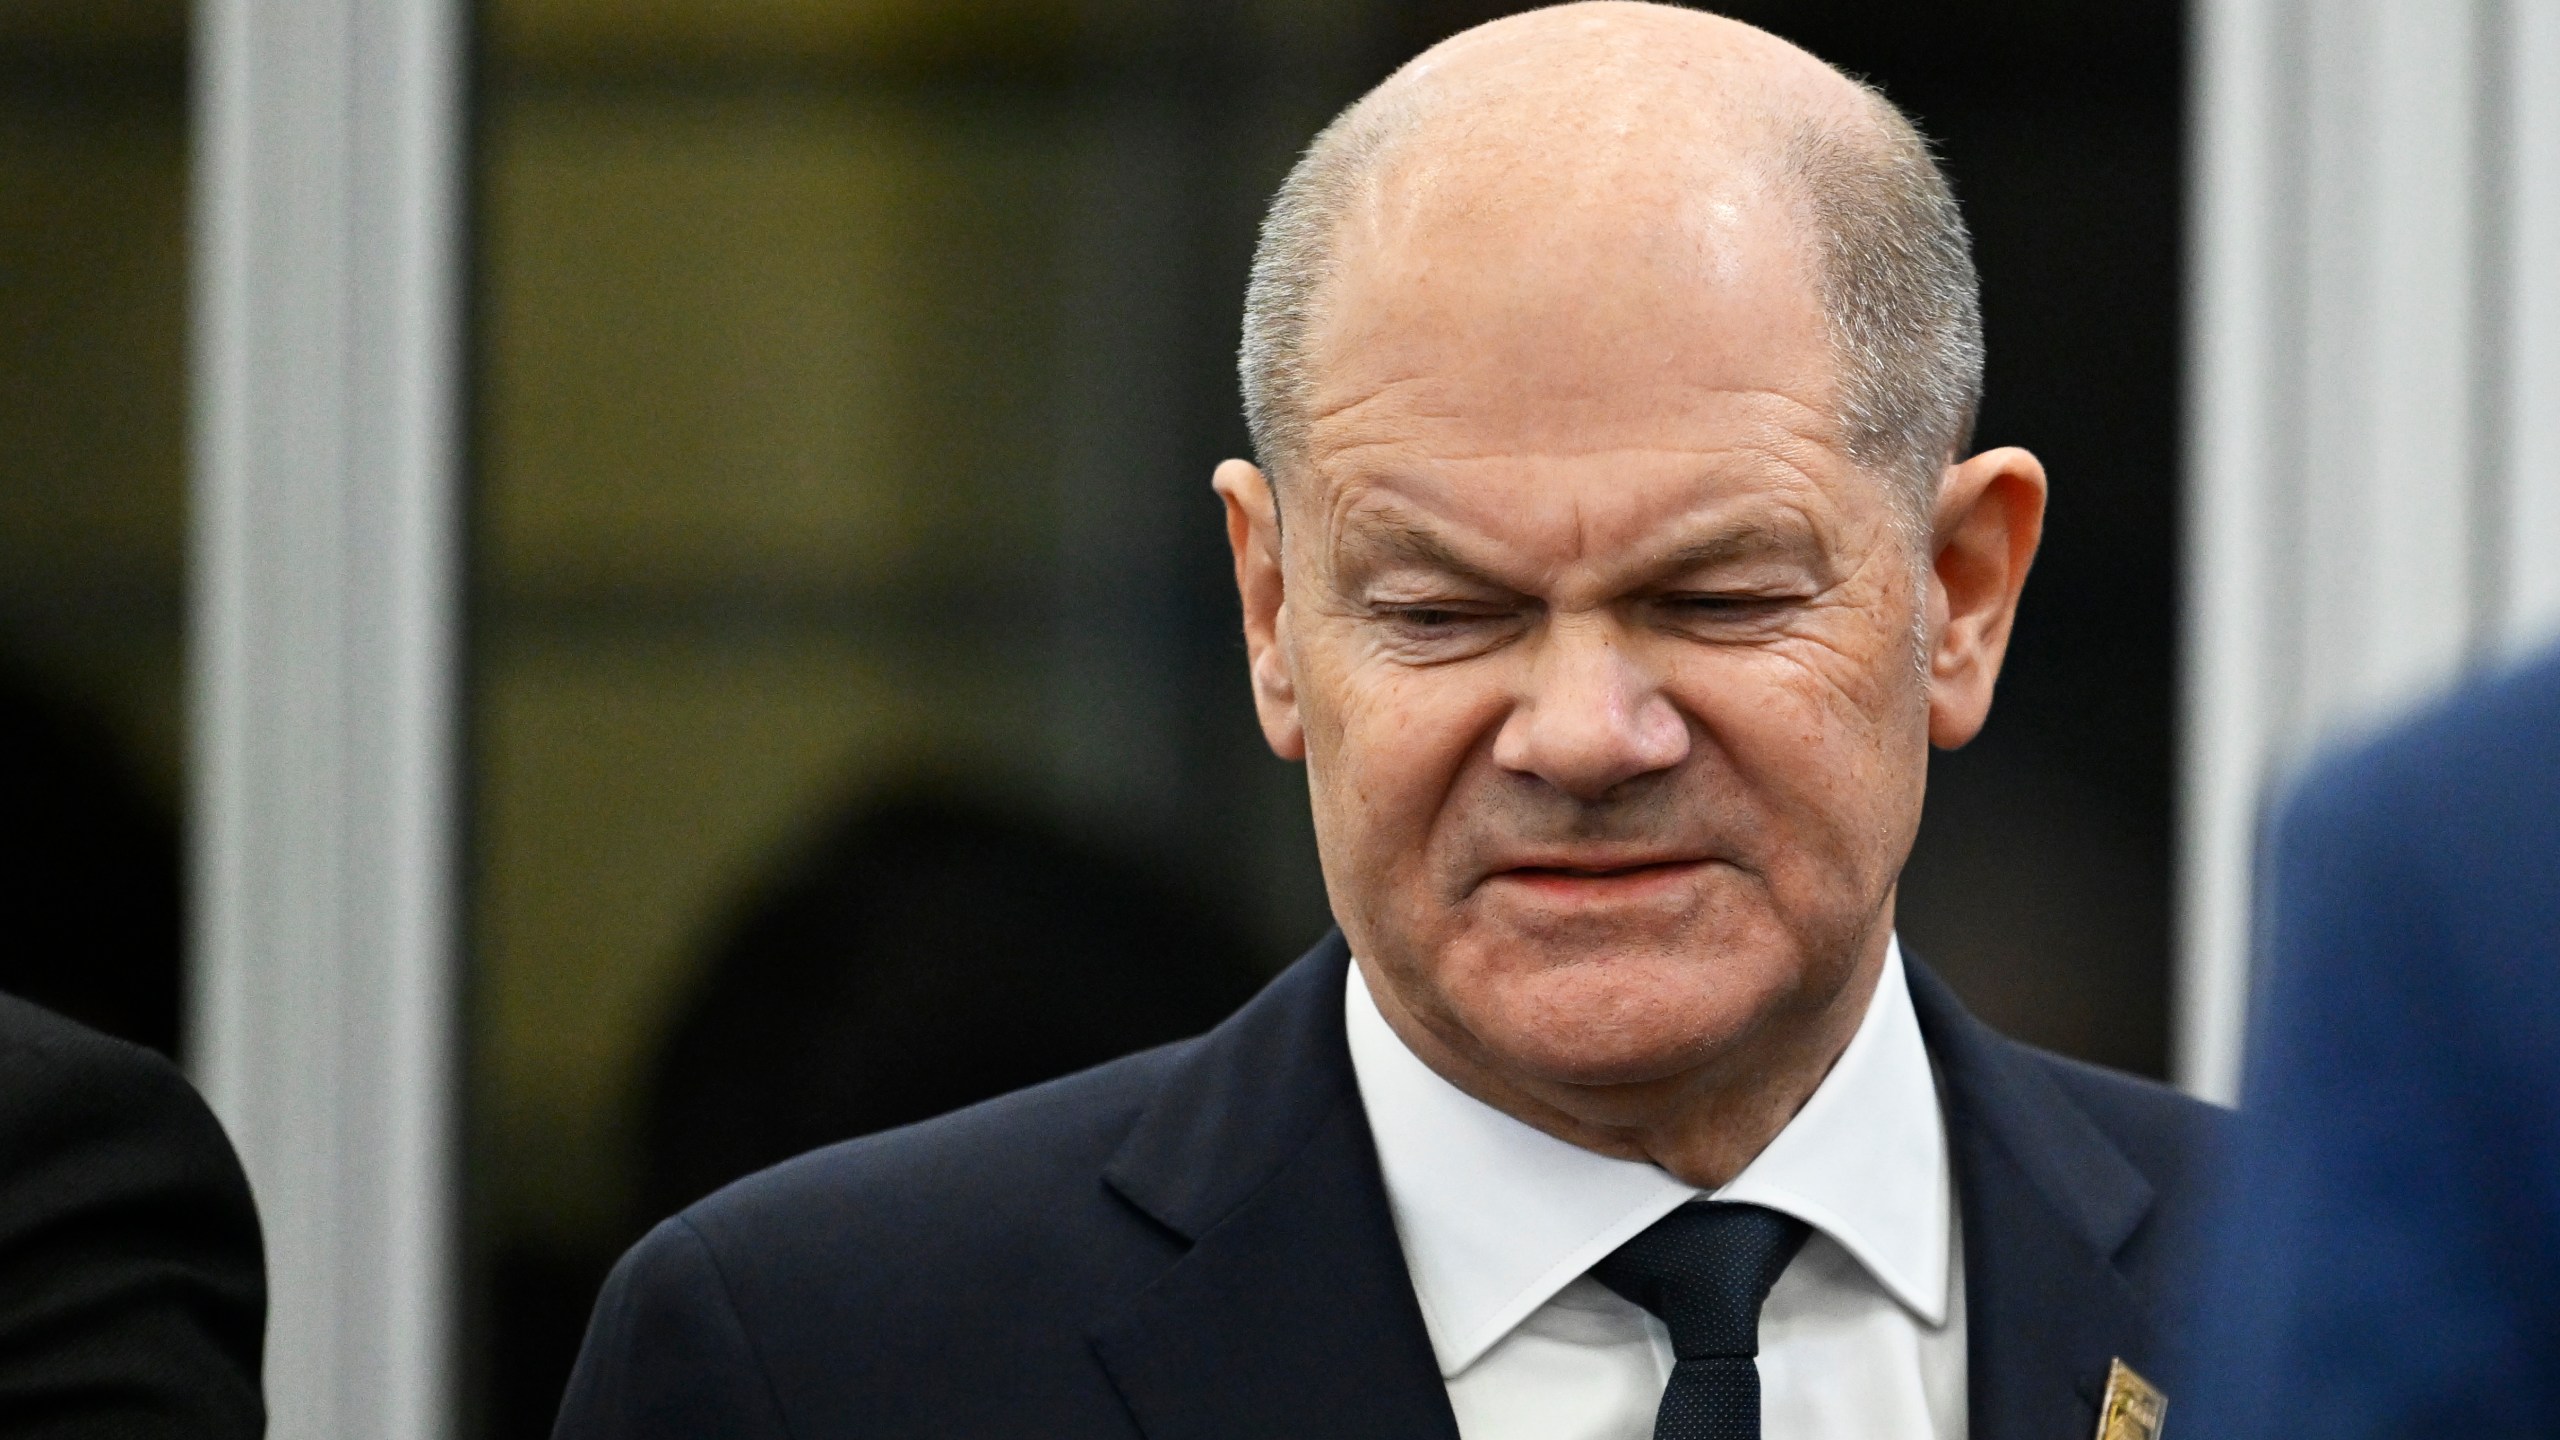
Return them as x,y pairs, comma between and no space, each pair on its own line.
1497,1216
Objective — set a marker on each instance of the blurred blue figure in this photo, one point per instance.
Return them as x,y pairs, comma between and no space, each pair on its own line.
2394,1262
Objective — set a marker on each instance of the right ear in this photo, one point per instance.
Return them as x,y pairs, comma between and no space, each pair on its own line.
1253,533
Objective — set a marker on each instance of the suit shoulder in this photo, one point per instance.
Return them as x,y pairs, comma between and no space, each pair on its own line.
665,1354
112,1116
989,1233
62,1083
129,1239
2490,748
2157,1129
903,1278
1028,1159
2174,1138
29,1033
2434,837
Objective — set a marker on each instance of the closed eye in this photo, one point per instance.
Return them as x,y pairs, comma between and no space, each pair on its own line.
1726,614
1427,617
1435,633
1724,604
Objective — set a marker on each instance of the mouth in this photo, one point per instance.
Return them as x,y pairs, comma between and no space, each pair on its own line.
1599,883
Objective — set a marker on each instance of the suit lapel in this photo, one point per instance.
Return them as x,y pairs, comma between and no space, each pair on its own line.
2047,1203
1292,1314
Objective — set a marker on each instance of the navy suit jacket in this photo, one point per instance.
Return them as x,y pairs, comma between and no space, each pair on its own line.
1194,1243
2393,1266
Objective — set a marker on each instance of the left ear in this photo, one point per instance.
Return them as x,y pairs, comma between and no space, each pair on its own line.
1982,538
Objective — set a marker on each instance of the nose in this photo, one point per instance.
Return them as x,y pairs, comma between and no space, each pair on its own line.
1591,717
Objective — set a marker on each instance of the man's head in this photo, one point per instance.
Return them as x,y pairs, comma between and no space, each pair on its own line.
1612,363
1894,266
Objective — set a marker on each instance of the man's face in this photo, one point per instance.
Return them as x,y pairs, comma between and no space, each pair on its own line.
1601,653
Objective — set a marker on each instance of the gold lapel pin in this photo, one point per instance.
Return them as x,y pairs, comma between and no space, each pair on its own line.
2132,1408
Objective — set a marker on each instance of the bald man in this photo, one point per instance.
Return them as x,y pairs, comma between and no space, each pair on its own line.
1615,554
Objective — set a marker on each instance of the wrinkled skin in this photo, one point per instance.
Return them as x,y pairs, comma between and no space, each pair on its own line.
1614,676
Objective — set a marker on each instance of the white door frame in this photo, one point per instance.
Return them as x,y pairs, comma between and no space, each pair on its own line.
329,140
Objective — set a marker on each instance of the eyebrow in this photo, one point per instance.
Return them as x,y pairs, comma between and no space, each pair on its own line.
1391,539
1751,541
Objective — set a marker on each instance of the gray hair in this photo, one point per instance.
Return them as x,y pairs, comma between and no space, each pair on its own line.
1896,277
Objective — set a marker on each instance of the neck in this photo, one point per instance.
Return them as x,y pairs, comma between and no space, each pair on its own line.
1702,1124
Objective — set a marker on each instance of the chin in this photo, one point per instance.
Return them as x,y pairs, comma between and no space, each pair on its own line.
1626,1018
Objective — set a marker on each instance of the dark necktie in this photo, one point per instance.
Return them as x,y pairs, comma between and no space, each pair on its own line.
1703,1270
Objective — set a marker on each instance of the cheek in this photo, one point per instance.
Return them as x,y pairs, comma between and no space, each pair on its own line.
1833,743
1385,747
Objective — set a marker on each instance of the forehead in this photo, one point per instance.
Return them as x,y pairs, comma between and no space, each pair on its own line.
1518,340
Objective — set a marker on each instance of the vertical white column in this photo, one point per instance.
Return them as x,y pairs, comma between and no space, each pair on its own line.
2529,518
2373,464
2380,525
2239,412
327,236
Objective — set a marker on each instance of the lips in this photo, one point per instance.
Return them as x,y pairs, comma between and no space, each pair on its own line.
1594,879
1593,861
1595,872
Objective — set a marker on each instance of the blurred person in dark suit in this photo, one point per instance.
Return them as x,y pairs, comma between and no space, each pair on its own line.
1614,559
2393,1261
927,953
132,1281
924,951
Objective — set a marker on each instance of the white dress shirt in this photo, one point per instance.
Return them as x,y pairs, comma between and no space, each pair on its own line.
1862,1338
